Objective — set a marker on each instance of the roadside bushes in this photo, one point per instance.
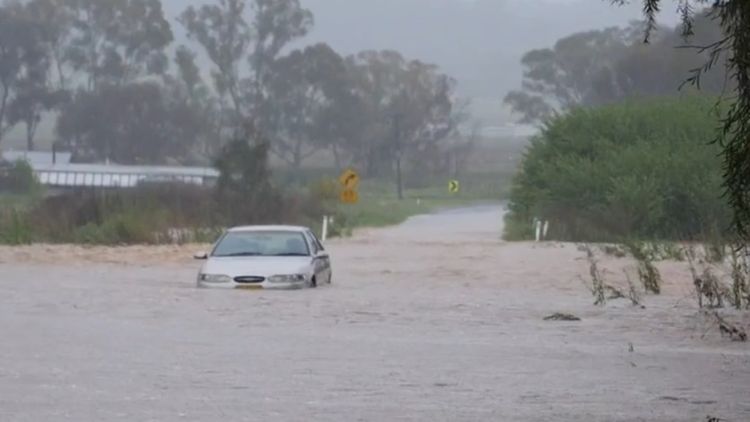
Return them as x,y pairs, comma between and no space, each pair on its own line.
147,214
638,170
18,190
167,213
17,178
14,227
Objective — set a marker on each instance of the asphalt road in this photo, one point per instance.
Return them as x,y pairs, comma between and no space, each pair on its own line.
435,320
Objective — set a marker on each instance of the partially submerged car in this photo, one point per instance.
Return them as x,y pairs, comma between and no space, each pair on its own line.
265,257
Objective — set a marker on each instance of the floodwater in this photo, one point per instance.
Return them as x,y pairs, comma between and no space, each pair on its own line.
434,320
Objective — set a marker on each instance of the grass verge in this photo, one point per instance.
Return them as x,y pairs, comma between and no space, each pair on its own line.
379,206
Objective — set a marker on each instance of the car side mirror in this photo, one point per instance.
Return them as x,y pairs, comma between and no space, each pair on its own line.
322,255
201,255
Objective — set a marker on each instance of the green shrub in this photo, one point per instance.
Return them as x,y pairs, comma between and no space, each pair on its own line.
128,228
244,188
172,213
18,178
14,228
638,170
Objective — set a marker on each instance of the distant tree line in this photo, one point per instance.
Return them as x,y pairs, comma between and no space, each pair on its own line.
608,66
121,90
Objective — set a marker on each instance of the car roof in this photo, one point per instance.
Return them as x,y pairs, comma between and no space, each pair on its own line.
268,229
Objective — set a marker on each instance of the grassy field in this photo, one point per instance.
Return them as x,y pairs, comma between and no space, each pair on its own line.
379,205
386,210
487,177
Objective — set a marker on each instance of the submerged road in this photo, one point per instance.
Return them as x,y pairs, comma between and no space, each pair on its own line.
434,320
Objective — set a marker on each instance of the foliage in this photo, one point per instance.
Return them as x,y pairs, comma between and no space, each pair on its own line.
707,284
302,116
114,41
312,98
140,215
21,59
130,124
128,228
639,170
410,110
610,65
33,94
597,280
102,67
647,271
171,213
740,274
14,228
18,178
245,182
733,49
185,213
379,206
230,37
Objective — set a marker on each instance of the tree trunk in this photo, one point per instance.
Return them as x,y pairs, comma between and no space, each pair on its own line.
3,106
297,162
398,148
29,137
399,180
31,126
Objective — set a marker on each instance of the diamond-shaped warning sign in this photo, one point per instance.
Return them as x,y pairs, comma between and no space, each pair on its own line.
349,179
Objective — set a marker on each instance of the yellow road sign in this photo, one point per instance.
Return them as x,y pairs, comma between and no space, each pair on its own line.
454,186
349,179
349,196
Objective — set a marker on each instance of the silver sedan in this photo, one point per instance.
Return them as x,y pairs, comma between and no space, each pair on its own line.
265,257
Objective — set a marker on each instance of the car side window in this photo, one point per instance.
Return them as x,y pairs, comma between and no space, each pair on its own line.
314,245
317,242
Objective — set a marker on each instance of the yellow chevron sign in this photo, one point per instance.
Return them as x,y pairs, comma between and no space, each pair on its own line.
454,186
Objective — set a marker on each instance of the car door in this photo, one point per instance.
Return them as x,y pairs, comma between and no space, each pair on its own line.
322,263
327,268
316,263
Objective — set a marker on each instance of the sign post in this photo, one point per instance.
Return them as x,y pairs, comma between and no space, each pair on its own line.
349,181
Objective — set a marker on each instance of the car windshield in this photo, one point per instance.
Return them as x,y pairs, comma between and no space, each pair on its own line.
262,243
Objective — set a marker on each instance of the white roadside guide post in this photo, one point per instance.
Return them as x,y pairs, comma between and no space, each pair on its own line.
541,228
324,234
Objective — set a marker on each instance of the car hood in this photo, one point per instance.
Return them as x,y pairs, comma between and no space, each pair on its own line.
261,266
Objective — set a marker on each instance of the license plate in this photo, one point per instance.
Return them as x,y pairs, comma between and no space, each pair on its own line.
250,287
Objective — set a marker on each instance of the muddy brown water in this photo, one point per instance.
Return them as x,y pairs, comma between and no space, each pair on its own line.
434,320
